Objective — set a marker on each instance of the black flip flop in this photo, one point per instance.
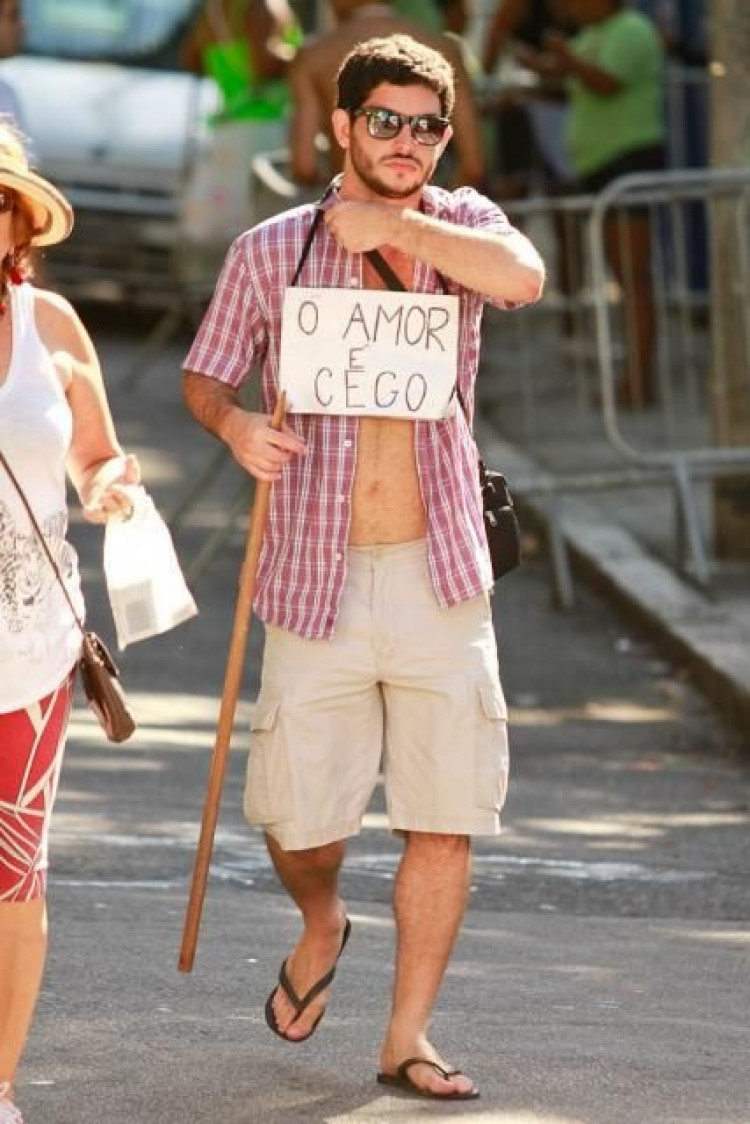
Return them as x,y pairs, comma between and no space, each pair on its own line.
400,1080
302,1004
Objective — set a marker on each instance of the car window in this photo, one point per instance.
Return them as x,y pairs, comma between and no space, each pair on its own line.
145,31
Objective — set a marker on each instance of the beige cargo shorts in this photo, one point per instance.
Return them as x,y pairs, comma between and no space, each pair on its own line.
403,685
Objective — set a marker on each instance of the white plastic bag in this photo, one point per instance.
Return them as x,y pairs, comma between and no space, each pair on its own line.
146,587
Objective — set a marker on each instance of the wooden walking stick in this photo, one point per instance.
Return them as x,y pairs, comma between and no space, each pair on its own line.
232,679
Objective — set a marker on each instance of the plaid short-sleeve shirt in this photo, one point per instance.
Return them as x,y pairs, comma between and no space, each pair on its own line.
303,560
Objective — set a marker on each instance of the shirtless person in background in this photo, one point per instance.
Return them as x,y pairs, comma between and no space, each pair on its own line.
312,77
374,574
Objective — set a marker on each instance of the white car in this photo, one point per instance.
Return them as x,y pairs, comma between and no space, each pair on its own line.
158,189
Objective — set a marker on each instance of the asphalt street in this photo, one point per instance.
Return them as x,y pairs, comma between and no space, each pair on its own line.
603,974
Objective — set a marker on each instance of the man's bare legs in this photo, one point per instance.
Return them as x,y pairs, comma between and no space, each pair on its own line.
23,947
310,878
429,901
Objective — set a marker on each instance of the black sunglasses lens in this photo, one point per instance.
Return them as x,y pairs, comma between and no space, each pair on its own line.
428,130
384,125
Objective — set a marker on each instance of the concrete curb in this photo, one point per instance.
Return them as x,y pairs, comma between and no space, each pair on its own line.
683,621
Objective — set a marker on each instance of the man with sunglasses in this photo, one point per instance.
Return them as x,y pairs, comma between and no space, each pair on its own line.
374,575
312,82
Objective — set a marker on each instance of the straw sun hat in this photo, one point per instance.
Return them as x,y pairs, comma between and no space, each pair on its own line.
53,214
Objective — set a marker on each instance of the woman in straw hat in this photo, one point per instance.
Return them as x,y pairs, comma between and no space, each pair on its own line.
53,416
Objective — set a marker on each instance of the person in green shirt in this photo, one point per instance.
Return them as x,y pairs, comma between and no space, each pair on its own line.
246,45
613,69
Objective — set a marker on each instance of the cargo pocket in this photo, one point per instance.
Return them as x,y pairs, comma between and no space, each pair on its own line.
491,747
268,792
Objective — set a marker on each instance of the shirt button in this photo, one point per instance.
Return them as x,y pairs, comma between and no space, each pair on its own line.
354,282
348,444
339,556
340,499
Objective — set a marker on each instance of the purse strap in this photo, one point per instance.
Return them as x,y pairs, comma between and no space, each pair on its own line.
42,540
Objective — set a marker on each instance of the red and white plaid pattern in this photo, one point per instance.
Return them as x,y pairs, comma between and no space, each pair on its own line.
31,750
303,561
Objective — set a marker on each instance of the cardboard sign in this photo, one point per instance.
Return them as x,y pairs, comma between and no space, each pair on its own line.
369,352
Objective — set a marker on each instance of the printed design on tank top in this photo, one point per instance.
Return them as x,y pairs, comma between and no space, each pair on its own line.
26,576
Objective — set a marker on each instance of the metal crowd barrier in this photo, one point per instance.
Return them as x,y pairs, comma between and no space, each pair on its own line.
556,372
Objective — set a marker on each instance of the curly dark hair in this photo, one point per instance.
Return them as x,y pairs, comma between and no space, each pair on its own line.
397,60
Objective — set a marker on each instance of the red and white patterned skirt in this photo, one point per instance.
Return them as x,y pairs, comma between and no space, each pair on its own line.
32,741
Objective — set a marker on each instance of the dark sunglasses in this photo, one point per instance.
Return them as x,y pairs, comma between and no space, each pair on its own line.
385,124
7,200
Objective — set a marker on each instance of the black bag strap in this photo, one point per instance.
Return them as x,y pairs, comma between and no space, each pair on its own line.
42,540
393,281
308,243
317,217
387,273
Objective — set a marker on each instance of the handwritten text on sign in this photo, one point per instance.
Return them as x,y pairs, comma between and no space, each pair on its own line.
370,352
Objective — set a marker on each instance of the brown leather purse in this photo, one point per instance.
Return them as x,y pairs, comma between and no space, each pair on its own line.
100,677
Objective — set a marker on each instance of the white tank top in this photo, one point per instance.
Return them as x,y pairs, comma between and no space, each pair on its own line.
39,640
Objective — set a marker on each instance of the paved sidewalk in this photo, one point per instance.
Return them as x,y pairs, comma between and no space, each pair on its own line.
538,425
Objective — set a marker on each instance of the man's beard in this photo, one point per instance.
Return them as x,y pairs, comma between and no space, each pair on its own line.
365,169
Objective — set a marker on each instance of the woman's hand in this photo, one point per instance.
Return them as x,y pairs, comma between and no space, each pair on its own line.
104,492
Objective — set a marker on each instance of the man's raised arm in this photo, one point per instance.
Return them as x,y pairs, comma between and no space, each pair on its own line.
503,266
